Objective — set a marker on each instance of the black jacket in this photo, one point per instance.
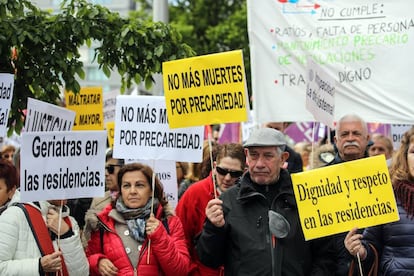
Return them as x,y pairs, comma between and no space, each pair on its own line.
294,161
395,244
244,245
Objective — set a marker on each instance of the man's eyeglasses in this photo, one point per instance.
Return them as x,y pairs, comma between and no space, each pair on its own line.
224,172
111,168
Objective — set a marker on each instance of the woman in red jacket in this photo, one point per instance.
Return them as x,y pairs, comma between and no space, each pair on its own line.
130,240
191,208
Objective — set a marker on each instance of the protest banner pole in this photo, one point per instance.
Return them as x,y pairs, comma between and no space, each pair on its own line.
152,207
210,149
360,265
313,145
58,235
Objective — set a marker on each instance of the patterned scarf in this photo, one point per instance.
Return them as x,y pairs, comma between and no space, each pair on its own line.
135,218
404,192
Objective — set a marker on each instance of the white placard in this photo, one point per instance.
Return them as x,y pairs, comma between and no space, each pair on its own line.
109,105
62,165
397,132
142,131
6,95
320,94
42,116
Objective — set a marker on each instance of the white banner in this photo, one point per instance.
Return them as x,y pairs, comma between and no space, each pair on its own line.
62,165
365,46
142,131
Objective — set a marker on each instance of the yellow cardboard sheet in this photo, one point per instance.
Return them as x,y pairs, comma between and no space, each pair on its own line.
88,105
205,90
336,198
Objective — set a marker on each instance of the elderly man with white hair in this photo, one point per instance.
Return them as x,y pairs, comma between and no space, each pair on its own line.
253,228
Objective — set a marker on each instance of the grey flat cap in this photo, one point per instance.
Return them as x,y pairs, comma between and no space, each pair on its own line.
265,137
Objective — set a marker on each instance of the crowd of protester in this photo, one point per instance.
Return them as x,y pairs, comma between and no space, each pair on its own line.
236,214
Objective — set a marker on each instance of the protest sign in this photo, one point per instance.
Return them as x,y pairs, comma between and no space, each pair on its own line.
397,132
6,96
42,116
109,104
88,105
62,165
206,90
141,130
166,172
320,94
337,198
365,46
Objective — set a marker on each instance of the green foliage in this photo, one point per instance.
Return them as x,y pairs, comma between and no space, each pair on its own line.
47,47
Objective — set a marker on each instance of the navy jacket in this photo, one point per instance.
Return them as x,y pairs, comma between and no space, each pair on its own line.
395,244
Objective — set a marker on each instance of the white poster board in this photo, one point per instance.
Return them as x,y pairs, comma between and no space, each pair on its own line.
166,172
142,131
6,96
109,105
42,116
397,132
62,165
320,94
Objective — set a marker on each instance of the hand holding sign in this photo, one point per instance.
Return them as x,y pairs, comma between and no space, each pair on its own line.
214,212
361,190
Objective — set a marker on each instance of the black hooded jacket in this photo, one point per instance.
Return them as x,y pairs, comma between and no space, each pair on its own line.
245,246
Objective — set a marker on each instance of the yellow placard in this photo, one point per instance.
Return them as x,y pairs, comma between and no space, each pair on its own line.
88,105
110,129
336,198
205,90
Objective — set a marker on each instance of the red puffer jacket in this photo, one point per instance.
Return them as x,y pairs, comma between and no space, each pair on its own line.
168,252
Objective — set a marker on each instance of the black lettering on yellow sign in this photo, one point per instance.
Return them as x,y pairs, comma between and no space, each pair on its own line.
82,99
222,75
207,103
355,211
207,77
89,119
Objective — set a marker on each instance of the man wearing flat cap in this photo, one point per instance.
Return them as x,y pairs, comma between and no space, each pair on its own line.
253,228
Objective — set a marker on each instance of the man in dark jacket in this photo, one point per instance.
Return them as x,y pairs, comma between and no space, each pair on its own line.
351,140
254,228
294,162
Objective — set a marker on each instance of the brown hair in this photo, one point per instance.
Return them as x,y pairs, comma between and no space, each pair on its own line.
147,172
9,173
232,150
399,169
